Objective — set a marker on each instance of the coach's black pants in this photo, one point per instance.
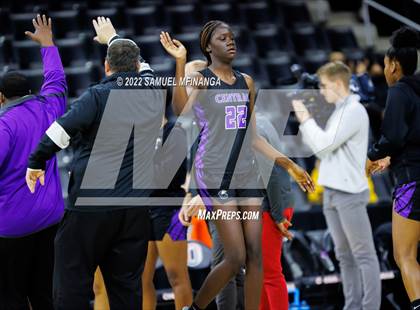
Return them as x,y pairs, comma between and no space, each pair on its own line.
26,267
116,241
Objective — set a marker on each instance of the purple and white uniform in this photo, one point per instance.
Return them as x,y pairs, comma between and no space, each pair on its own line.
224,162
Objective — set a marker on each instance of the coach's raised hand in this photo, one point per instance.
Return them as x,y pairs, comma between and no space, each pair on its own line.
104,30
43,33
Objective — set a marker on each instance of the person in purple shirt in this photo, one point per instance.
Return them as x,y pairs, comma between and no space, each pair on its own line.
28,221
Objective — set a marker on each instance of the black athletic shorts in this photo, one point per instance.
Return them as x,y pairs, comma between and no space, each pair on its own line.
161,218
241,185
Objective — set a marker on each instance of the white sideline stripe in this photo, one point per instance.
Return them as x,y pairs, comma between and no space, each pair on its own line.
58,135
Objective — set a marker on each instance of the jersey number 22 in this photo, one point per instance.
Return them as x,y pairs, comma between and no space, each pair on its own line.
235,116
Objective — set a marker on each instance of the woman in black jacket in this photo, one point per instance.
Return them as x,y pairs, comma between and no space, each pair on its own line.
399,146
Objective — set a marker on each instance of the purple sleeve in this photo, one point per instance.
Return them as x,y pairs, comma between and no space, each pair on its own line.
5,138
54,87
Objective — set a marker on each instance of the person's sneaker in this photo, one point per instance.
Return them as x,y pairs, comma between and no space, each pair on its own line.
186,308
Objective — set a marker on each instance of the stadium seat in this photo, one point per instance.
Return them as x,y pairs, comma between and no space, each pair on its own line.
354,54
245,44
5,22
142,19
27,54
313,59
304,38
96,51
35,78
252,66
342,38
219,11
191,42
151,48
307,37
270,39
384,23
256,15
345,5
185,13
79,79
20,23
278,69
72,51
24,6
181,2
117,17
220,1
293,11
5,51
164,69
147,2
66,23
245,64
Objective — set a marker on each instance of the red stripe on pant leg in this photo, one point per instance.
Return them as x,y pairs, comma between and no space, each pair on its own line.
274,296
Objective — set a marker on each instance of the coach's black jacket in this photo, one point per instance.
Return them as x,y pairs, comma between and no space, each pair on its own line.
401,130
82,122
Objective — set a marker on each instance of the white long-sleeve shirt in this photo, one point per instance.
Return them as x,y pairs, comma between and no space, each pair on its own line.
341,146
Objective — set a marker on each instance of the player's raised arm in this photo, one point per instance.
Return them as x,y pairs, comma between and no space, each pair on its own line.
54,85
181,101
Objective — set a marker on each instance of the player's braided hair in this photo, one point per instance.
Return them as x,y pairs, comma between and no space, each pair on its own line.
205,36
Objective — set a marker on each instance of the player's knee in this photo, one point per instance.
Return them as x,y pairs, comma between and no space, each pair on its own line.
175,277
253,255
235,262
402,255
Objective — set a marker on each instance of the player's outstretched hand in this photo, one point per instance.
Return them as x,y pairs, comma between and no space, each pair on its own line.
377,166
183,216
104,29
43,33
172,46
302,178
195,205
190,208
